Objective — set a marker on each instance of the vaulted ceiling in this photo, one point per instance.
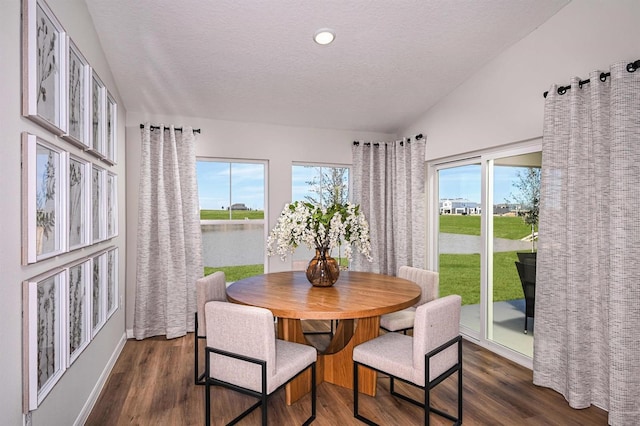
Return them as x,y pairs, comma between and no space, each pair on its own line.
256,61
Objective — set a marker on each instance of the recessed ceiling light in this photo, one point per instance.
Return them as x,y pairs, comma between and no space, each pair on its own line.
324,36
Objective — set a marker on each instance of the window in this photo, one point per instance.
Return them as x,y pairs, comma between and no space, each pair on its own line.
321,185
231,196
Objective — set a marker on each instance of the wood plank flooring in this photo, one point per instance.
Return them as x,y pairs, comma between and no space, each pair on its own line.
152,384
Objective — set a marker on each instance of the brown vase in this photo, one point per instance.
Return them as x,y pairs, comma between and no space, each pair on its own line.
323,270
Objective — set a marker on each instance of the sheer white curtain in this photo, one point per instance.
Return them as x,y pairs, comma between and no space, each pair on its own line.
169,254
587,319
388,183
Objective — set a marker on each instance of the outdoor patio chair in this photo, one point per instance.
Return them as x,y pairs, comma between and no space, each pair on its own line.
527,256
428,282
244,355
211,287
424,360
527,273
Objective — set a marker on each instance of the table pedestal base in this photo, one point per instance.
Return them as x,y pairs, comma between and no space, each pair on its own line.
335,365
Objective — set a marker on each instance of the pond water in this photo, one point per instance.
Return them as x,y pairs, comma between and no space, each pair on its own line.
238,242
243,243
233,243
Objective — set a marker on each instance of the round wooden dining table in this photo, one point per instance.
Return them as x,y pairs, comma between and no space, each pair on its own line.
357,300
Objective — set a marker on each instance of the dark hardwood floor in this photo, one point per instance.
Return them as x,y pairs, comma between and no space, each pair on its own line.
152,384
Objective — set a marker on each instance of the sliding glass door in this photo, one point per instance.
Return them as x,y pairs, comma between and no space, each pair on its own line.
484,212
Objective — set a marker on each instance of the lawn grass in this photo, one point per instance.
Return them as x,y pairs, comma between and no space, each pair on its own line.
235,273
235,214
510,227
460,274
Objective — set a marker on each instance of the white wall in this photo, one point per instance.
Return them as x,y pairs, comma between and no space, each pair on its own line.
280,146
503,102
65,402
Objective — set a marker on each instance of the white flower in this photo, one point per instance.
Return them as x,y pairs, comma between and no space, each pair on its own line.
304,223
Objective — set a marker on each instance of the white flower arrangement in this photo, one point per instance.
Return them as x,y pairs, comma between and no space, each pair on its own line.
322,229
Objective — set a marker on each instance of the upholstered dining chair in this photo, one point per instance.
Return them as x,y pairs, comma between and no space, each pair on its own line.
424,360
243,354
428,282
211,287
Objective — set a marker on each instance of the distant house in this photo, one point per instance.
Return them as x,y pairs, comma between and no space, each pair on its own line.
239,206
459,206
505,209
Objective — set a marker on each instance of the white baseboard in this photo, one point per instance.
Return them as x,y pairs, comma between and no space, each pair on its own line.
102,380
129,333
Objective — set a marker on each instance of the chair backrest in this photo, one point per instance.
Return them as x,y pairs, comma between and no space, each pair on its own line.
428,281
243,330
527,256
527,273
436,323
211,287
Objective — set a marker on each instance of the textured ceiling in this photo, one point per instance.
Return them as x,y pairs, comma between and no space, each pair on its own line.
255,60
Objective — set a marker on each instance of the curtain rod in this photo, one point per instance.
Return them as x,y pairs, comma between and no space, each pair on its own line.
631,67
178,129
418,137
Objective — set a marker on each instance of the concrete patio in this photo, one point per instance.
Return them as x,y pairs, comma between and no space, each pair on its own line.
508,324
